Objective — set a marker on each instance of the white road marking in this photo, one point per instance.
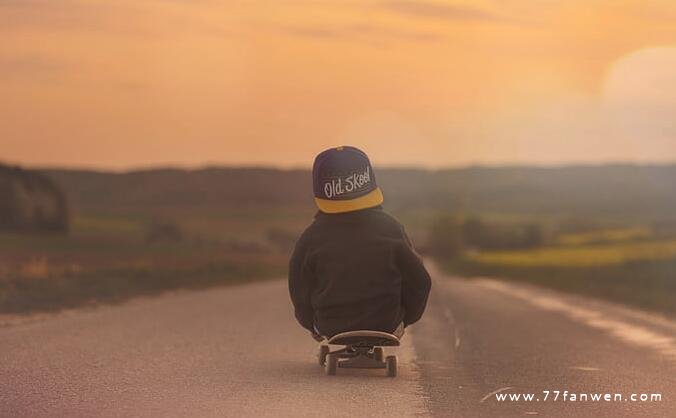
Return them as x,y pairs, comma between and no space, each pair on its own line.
495,392
633,334
586,368
449,316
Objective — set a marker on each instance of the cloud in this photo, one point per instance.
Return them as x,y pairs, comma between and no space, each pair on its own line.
120,18
24,3
360,32
49,15
27,65
434,10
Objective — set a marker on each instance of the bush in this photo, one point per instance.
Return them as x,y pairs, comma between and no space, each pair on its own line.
31,202
480,235
446,238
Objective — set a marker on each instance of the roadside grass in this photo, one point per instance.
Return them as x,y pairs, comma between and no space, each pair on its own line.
639,273
53,289
107,258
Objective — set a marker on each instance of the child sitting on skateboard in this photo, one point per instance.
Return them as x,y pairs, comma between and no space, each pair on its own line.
354,267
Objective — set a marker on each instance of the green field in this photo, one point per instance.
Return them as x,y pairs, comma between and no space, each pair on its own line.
630,265
108,257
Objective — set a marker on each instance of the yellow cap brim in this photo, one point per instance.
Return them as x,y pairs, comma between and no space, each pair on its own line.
370,200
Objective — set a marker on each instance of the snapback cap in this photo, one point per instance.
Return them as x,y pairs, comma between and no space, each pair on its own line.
343,181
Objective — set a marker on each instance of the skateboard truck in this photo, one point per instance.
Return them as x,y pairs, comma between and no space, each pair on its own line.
362,350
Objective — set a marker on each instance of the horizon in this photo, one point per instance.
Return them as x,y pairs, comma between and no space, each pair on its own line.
205,167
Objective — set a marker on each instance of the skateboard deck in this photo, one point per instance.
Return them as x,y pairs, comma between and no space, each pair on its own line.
362,350
365,338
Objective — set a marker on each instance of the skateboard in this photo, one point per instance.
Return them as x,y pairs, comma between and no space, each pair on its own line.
362,350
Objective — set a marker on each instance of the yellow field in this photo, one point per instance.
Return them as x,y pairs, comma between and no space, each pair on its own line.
605,235
580,256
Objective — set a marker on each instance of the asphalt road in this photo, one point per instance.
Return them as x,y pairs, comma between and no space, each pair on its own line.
236,351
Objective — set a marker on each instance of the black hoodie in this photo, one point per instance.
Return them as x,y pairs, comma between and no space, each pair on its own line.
356,271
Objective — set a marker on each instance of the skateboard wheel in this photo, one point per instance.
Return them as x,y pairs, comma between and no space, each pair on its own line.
331,364
323,352
391,366
378,354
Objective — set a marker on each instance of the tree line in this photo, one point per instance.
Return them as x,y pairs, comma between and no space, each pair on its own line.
31,202
449,236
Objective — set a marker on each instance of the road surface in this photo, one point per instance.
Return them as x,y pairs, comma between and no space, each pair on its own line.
236,351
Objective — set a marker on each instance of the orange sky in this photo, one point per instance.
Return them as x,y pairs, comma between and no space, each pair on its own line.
128,83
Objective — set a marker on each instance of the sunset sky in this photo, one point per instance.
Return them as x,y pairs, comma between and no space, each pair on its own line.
136,83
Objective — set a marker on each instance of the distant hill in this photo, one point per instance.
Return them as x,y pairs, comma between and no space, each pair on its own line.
218,187
645,191
31,201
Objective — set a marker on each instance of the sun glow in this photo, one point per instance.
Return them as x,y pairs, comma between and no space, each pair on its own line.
640,94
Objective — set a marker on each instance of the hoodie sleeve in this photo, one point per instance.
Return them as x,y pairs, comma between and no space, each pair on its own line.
416,282
301,281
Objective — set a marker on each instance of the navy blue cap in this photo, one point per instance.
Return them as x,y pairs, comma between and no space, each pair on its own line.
343,181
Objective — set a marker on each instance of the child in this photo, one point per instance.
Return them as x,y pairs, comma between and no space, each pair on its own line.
354,267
